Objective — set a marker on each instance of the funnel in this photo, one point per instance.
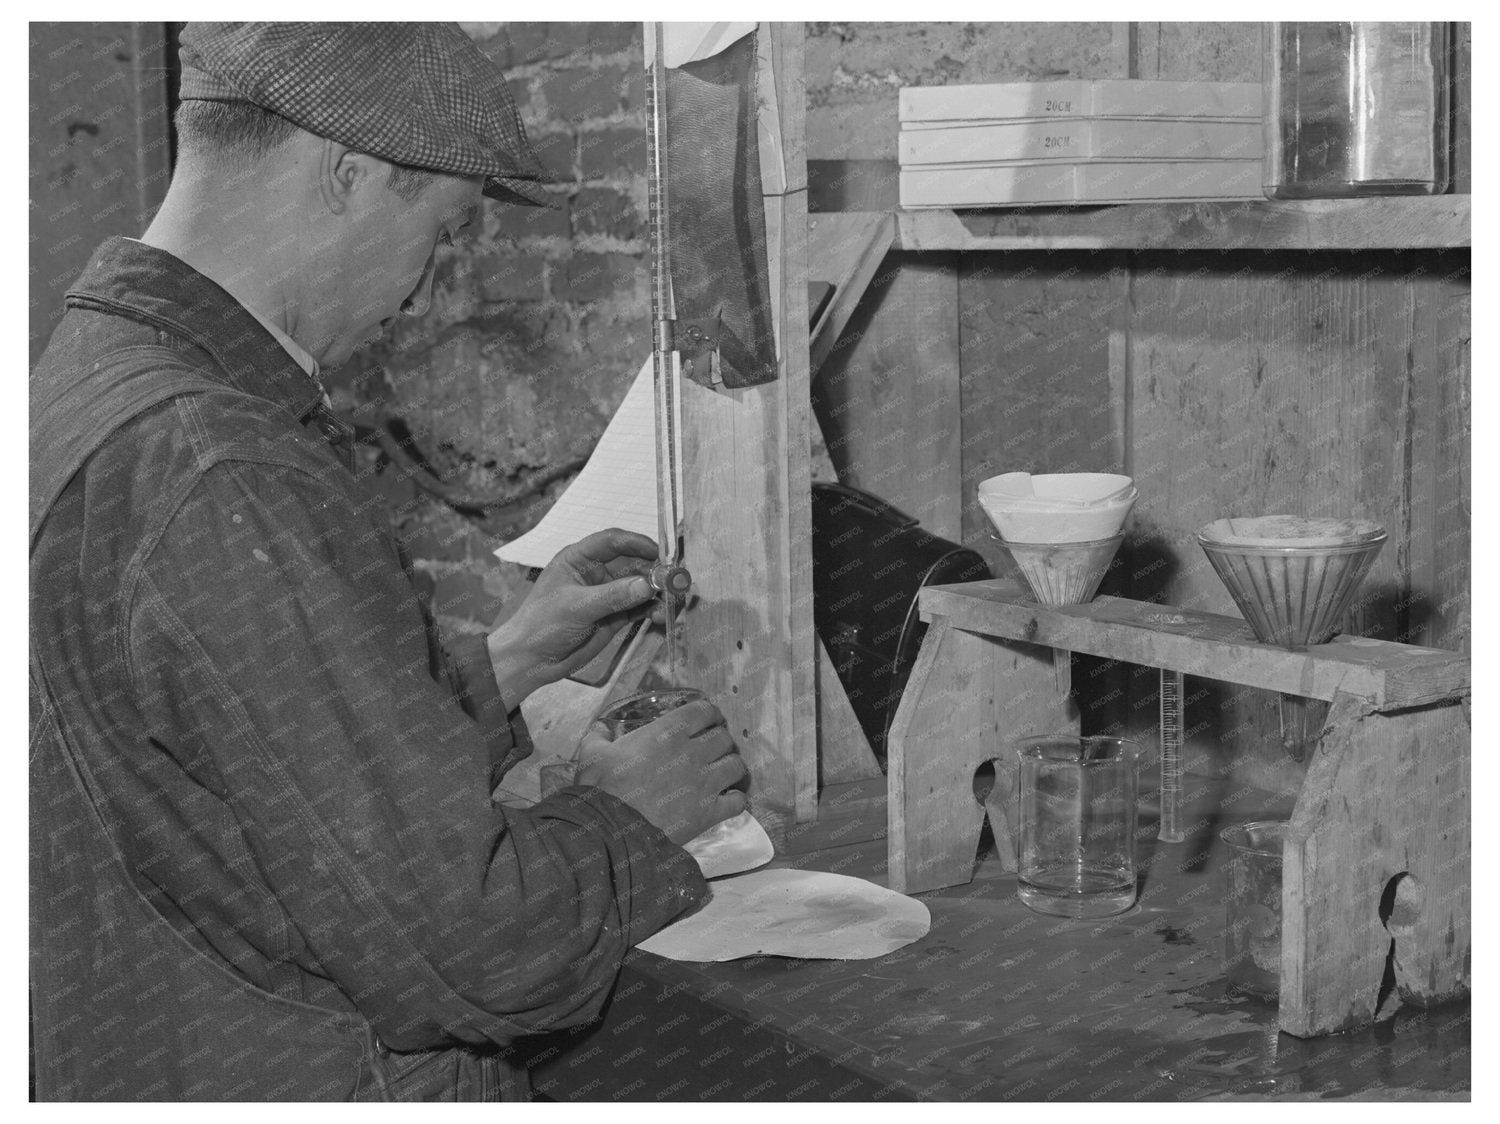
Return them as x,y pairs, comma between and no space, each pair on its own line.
1064,573
1292,595
1293,580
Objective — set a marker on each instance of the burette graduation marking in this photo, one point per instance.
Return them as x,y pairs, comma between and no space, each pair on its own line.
664,379
1169,827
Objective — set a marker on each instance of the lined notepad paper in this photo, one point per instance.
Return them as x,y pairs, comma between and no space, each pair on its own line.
616,488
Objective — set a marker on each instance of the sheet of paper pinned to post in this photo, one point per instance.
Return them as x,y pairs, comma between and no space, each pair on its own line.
685,41
616,488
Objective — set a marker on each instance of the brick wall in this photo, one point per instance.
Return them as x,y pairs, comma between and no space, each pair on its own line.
536,326
855,70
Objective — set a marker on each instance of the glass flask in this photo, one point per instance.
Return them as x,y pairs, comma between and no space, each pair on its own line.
1355,109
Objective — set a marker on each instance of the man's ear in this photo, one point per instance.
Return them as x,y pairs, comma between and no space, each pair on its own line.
346,176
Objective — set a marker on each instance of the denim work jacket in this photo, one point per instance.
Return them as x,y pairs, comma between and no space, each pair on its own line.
261,810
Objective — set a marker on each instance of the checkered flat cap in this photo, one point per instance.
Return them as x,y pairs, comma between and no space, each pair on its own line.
421,94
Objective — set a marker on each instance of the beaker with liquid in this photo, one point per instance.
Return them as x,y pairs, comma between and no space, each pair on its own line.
635,711
620,718
1252,907
1077,832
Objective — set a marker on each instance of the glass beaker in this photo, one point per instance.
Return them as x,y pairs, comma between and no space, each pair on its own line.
1252,907
620,717
1077,812
634,711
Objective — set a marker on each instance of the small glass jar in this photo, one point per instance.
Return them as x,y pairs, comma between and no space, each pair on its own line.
1355,109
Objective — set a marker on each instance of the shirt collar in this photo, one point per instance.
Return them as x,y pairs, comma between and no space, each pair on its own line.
130,278
299,354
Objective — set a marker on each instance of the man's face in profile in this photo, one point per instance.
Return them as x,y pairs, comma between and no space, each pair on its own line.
389,265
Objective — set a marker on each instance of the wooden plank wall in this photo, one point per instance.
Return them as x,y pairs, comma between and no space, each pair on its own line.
1036,392
1305,383
1325,383
887,395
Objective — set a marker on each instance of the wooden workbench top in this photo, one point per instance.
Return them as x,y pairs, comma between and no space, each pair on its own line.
998,1003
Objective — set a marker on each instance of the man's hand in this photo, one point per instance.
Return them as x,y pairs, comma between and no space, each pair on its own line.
580,600
674,771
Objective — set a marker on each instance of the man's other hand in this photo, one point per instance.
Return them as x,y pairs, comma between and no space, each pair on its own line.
679,771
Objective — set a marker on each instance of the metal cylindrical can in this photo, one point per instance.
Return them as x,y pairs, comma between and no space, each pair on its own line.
1356,109
1252,904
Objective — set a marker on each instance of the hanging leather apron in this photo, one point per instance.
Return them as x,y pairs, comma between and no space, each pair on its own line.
124,1007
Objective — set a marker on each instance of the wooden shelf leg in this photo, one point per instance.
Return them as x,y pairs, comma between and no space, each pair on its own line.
968,697
1377,860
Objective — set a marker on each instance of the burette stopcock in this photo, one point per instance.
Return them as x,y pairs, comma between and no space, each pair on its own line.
668,577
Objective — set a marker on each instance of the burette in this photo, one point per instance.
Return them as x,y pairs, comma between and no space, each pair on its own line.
669,577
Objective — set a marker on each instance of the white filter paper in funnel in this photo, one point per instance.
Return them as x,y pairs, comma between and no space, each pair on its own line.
1057,489
733,846
1290,530
803,913
1057,525
1057,507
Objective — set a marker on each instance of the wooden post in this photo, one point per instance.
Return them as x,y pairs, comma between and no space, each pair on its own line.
749,640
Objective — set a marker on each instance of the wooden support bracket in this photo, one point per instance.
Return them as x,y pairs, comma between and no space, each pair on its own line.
845,250
1376,865
968,698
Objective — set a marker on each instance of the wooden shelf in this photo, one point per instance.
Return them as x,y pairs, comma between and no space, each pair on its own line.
1407,222
1388,676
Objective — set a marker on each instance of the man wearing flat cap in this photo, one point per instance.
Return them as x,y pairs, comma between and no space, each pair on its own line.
265,858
